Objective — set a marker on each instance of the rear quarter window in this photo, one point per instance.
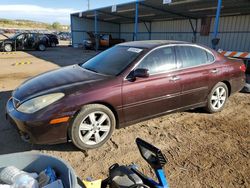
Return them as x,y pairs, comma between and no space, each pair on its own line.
191,56
210,57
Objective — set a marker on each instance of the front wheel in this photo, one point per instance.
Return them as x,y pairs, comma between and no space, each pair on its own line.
7,48
217,98
92,126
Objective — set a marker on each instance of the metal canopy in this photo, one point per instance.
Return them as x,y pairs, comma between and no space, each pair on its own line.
155,10
148,11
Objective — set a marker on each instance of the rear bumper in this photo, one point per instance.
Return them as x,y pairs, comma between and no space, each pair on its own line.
237,83
35,129
246,89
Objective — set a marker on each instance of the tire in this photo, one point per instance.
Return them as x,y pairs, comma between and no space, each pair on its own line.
41,47
217,98
7,48
89,123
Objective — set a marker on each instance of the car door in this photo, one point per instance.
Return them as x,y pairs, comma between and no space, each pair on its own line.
20,42
30,41
160,92
194,63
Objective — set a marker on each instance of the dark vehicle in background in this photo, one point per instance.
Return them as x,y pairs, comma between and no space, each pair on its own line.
90,43
53,40
123,85
247,85
24,41
104,41
45,39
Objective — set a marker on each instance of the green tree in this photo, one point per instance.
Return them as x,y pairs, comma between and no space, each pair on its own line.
56,26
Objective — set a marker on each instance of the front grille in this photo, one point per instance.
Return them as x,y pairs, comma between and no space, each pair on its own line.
16,102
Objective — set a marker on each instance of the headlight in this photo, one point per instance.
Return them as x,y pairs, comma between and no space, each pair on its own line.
33,105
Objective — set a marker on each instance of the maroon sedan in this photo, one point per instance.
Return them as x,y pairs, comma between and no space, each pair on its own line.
128,83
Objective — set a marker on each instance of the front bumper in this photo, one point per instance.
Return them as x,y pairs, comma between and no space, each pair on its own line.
36,127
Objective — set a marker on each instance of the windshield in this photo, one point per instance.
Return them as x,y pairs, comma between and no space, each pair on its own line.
14,36
112,61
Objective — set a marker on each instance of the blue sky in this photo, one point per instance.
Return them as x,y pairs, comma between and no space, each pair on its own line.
49,10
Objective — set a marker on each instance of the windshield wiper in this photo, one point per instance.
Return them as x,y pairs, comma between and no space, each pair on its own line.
92,70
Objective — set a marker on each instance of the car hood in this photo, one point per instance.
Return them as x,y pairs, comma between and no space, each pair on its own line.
56,81
5,40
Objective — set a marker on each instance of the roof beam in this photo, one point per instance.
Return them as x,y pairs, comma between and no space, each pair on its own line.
117,15
85,17
166,11
111,14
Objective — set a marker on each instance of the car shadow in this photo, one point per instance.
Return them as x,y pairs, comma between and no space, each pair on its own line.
10,141
197,111
64,55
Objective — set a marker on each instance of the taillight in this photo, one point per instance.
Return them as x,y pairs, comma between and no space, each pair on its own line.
243,68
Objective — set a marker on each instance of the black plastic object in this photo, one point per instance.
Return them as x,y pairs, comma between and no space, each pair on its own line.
141,73
123,176
151,154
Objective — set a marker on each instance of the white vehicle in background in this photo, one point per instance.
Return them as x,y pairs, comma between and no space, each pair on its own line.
64,36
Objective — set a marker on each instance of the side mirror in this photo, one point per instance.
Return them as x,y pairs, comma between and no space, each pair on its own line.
141,73
151,154
138,73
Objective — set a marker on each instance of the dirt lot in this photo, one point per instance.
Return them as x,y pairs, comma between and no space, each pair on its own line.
204,150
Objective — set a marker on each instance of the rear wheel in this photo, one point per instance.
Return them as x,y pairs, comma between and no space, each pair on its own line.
217,98
7,48
41,47
92,127
53,44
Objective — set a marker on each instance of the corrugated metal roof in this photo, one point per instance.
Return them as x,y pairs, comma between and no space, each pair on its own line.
155,10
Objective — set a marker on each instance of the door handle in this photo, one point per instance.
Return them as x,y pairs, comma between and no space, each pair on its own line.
175,78
214,71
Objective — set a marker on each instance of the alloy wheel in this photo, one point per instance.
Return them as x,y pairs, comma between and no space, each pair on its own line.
42,47
94,128
8,48
218,98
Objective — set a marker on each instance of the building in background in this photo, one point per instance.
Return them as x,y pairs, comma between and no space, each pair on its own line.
186,20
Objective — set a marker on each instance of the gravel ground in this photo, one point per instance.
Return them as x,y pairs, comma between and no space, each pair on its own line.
203,150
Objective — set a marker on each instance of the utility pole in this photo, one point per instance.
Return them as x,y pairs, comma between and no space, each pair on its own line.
88,4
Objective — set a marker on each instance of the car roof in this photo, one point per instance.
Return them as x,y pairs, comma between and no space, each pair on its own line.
149,44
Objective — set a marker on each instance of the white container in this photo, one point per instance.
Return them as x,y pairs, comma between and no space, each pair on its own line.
23,180
8,174
17,178
37,162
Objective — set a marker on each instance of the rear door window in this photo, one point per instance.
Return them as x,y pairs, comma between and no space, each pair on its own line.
159,61
189,56
210,57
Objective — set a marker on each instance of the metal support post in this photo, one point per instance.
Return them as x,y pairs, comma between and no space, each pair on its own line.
96,32
136,19
216,25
